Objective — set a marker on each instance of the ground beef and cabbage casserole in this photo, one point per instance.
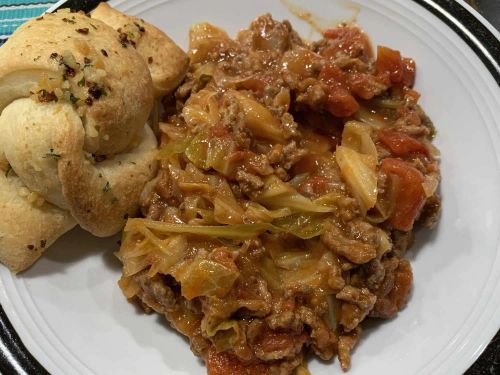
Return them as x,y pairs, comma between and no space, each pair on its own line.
292,177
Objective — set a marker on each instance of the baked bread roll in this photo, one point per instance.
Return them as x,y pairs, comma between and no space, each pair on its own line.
167,62
29,224
74,145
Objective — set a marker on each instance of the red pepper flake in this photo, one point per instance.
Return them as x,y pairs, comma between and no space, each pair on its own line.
95,91
43,243
69,72
89,101
103,51
150,59
45,96
99,158
67,20
31,247
141,28
39,18
124,40
84,30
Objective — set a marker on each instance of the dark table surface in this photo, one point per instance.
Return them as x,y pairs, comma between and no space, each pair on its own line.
489,362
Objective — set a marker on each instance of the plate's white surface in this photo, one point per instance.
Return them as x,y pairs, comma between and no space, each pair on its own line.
72,316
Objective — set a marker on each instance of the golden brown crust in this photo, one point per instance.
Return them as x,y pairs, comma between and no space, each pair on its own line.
167,62
102,196
120,113
48,156
27,229
74,101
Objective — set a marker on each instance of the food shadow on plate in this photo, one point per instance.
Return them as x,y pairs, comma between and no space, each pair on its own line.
72,248
371,325
156,324
423,239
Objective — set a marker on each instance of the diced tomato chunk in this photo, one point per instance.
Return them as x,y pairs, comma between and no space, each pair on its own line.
409,72
332,75
341,103
364,85
410,197
389,60
349,39
227,364
401,144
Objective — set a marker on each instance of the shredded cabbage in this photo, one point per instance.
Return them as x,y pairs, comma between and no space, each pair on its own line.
205,277
259,119
387,103
303,226
385,202
174,148
357,158
238,231
269,272
358,170
357,136
227,211
278,194
255,212
430,184
225,335
202,109
371,118
204,38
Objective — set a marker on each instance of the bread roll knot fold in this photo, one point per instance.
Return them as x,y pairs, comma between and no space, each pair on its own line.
75,147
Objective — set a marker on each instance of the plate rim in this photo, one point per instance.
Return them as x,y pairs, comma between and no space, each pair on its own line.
463,20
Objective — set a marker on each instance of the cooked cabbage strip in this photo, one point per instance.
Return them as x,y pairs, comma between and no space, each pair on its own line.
302,226
359,175
259,119
205,277
357,136
357,158
204,38
371,118
278,194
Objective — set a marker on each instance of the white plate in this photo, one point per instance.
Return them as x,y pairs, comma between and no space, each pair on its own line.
73,318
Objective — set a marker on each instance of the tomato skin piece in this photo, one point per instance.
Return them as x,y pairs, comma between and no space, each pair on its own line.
410,197
340,101
409,72
227,364
361,84
401,144
348,39
389,60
